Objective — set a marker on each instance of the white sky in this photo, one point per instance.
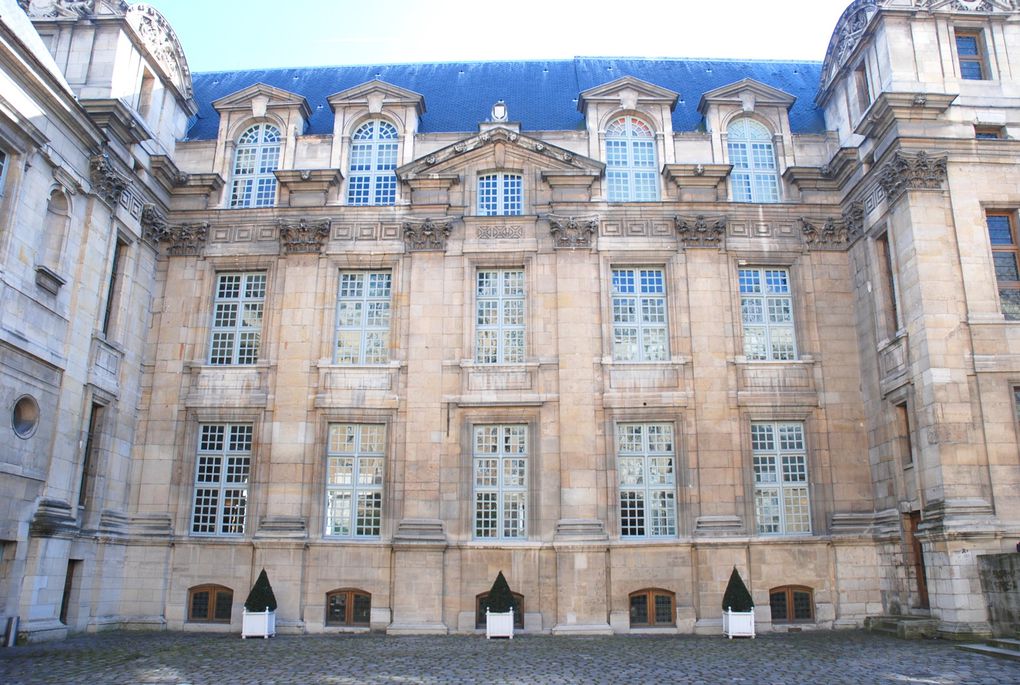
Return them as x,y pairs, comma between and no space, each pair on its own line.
252,34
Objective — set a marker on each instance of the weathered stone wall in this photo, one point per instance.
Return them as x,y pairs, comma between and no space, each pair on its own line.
1000,581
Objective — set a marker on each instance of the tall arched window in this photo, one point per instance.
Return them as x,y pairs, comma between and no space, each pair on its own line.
631,166
256,158
753,157
370,180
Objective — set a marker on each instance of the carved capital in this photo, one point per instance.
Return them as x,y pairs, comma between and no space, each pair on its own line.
182,239
153,222
907,171
571,232
700,230
303,236
106,182
825,234
427,235
853,218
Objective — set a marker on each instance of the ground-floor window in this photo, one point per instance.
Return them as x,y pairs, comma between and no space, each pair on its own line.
792,603
210,604
652,607
348,608
482,604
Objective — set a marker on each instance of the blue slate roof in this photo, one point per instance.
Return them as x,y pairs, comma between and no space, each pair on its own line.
541,95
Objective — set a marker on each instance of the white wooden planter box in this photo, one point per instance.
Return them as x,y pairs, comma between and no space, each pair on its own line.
499,625
258,624
738,623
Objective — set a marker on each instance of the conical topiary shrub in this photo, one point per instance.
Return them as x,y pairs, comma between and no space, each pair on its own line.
736,597
261,597
500,598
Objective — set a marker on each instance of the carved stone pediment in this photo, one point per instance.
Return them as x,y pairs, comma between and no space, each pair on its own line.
700,230
161,41
825,234
303,236
907,171
183,239
427,235
571,231
106,182
845,38
58,9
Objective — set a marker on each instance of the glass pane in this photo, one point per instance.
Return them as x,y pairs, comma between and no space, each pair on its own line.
362,609
639,610
336,609
663,609
1005,266
200,605
224,601
1010,300
999,229
777,602
802,606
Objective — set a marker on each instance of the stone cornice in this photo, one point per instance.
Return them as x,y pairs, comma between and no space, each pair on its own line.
303,236
572,232
697,175
427,235
118,119
700,230
890,107
205,185
570,178
906,171
314,180
166,173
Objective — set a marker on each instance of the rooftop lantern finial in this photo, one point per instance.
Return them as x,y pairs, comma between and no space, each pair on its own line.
499,112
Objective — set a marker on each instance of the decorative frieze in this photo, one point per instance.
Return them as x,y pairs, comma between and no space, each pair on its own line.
906,171
182,239
427,235
303,236
572,232
700,230
825,234
106,182
500,232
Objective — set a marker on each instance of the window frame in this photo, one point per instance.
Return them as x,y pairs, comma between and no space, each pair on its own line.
862,87
628,179
780,484
222,484
214,591
789,591
239,329
650,607
980,56
644,485
351,595
511,339
505,201
1012,248
768,327
639,325
762,182
500,488
375,186
355,487
364,328
266,149
989,132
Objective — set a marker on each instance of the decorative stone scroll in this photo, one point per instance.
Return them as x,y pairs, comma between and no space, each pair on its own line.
153,222
106,182
572,232
853,218
827,234
183,239
907,171
700,230
427,235
303,236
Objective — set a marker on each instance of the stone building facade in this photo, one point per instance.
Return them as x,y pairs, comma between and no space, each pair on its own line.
611,327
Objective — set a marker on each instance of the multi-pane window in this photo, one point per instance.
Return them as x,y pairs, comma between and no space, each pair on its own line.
639,315
210,604
348,608
1002,232
221,479
355,461
237,318
766,309
363,317
969,52
500,194
791,603
754,177
499,316
500,467
652,608
256,158
781,502
632,171
646,467
371,180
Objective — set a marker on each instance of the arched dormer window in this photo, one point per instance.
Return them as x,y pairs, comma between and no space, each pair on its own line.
370,179
750,149
631,166
256,158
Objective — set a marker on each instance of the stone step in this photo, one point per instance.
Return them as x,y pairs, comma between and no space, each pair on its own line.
1005,643
1010,654
907,627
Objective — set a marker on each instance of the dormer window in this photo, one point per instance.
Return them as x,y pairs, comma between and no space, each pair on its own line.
256,158
371,180
631,165
753,157
500,194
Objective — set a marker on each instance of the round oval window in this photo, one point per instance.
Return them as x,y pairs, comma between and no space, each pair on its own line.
25,417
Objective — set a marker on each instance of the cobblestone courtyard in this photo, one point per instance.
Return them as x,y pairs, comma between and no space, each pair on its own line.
178,658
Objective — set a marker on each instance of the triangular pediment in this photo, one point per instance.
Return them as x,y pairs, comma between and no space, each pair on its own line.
376,92
271,96
499,141
749,93
628,91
